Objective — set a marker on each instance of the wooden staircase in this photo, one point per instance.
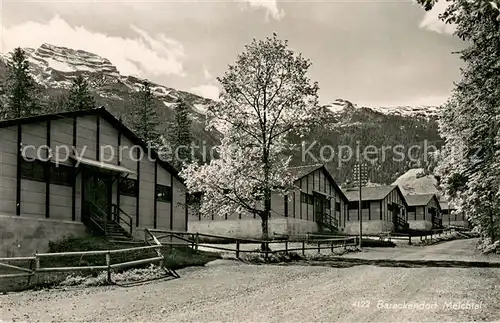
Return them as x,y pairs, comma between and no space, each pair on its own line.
116,227
400,224
327,222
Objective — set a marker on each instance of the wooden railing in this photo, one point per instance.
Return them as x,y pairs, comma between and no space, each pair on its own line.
120,217
190,239
399,222
95,217
109,266
329,221
437,223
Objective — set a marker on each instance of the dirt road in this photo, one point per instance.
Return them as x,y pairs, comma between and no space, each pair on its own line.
229,291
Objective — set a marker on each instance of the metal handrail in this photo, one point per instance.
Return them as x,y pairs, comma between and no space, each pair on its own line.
93,210
117,212
331,223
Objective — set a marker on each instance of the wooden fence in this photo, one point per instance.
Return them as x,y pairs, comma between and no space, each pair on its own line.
181,238
106,254
161,239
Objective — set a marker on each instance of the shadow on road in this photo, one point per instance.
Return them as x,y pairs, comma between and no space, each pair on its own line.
350,262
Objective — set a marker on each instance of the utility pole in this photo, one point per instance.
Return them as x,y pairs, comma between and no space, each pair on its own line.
361,175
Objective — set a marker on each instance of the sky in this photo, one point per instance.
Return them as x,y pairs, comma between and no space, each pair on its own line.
372,53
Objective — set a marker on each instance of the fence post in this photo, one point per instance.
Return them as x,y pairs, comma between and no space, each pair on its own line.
37,261
108,263
319,247
196,241
238,249
286,247
409,240
332,245
37,266
303,248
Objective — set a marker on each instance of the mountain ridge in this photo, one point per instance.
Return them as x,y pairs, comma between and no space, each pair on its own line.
54,67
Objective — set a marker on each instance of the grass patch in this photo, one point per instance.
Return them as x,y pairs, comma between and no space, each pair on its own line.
175,258
372,243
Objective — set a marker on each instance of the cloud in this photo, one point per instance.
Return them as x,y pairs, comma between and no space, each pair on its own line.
432,22
207,91
206,74
143,54
270,6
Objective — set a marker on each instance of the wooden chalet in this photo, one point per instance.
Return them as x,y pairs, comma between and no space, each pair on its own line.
452,217
424,212
65,173
316,203
383,210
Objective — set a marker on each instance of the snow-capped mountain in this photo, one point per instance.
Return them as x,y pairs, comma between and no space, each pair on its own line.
55,67
415,181
339,106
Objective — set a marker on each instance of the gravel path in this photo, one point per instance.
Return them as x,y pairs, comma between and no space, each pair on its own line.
230,291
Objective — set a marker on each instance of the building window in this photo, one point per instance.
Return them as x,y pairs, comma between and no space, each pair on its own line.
337,206
306,198
411,209
355,205
128,187
163,193
194,198
33,170
61,175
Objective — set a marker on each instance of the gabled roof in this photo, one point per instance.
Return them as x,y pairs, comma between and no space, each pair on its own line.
299,172
447,205
106,115
419,199
375,193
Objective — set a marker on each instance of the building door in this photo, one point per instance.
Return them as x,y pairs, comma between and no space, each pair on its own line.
395,214
97,189
319,208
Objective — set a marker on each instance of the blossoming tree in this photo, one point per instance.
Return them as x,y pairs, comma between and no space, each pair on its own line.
266,95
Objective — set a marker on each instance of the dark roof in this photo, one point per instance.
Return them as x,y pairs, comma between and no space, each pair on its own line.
419,199
447,205
106,115
375,193
299,172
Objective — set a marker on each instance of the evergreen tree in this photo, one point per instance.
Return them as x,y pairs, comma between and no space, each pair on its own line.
469,168
144,119
21,90
79,97
181,137
55,102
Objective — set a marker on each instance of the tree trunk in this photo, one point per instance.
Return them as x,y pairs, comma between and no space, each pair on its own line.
265,231
492,226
